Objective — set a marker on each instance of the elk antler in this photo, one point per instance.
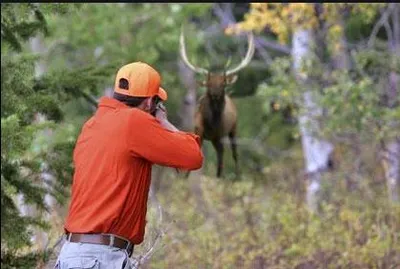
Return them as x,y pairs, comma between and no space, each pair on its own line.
228,62
184,57
247,58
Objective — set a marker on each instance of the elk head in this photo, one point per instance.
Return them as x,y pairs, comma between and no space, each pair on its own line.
217,81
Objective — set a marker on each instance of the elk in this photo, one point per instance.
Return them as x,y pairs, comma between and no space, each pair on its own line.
216,114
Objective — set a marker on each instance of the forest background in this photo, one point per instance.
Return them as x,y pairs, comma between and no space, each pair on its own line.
318,130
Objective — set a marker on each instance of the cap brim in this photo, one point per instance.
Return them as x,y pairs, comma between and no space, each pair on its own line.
162,94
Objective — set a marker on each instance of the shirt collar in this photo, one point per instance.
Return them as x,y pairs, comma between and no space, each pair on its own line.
106,101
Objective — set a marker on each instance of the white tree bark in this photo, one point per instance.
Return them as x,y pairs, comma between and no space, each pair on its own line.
391,163
391,152
188,107
316,151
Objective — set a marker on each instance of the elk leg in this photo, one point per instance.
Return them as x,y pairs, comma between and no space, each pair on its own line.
232,138
220,154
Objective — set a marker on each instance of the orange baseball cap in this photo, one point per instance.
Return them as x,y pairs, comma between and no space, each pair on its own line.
144,81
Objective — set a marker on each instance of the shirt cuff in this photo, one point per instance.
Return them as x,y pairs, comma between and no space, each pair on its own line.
194,136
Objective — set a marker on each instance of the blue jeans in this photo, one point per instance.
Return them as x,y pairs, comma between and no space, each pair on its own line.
84,255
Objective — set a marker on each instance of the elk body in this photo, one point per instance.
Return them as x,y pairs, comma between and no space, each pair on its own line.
216,114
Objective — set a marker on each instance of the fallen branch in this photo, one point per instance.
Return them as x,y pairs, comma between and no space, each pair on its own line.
154,245
160,233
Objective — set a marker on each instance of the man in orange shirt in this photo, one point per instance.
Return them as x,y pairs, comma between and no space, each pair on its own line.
113,157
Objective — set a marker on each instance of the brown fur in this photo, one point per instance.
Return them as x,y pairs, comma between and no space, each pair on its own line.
216,117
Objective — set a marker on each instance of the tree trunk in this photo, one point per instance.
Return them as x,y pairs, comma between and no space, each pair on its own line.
188,107
341,59
316,151
391,163
391,149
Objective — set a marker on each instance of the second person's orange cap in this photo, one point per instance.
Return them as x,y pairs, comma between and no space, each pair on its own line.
144,81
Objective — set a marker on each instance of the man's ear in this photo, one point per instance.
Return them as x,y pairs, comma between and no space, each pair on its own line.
147,104
229,80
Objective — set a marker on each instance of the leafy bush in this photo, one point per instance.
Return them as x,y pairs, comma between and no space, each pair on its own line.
255,224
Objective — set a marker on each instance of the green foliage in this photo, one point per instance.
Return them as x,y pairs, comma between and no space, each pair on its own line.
256,222
18,81
250,224
247,82
17,28
22,21
11,260
355,101
118,34
19,172
59,160
22,99
78,70
356,28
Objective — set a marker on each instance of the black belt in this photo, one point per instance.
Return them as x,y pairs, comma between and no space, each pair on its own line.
102,239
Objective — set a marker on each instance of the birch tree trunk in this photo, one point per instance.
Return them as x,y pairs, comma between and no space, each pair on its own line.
392,151
316,151
391,147
391,164
188,107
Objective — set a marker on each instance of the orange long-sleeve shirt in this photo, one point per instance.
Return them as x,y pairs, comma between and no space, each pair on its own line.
113,157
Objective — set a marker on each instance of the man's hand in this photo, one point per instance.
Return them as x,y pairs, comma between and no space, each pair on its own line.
161,115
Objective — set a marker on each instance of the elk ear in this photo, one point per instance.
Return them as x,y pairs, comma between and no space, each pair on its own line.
229,80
